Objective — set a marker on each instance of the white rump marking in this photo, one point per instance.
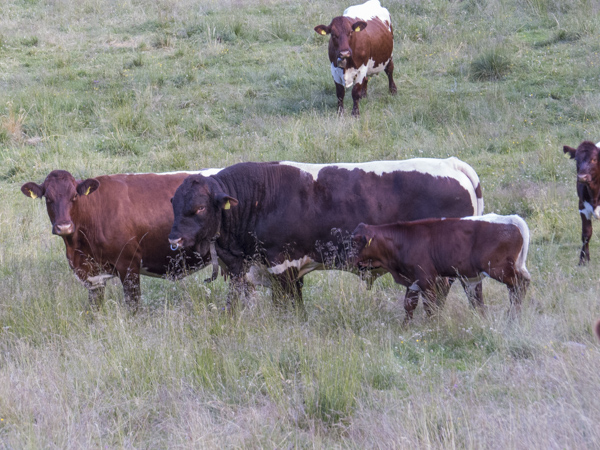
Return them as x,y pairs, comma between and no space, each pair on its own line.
99,281
443,168
523,228
368,11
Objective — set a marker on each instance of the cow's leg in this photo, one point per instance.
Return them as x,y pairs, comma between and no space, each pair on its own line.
96,296
411,300
131,289
389,71
517,288
340,92
357,92
442,288
288,287
474,293
236,289
586,234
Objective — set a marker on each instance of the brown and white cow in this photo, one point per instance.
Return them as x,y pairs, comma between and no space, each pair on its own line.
295,218
587,157
116,225
418,253
361,45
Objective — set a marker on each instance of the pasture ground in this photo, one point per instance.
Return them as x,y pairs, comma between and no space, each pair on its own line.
100,86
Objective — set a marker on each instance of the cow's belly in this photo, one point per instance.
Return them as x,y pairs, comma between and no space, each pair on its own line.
260,275
352,76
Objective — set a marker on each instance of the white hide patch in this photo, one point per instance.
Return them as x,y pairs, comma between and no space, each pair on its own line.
368,11
598,145
204,172
98,281
450,168
304,266
349,77
588,211
510,220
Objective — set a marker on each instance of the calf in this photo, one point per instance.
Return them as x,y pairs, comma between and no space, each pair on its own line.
116,225
588,190
417,253
361,45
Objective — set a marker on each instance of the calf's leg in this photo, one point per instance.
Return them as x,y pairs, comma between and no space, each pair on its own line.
586,234
411,300
474,293
389,71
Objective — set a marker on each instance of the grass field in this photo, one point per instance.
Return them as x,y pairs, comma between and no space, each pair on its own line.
100,86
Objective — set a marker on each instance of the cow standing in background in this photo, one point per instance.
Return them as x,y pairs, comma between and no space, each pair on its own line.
418,253
294,218
587,157
361,45
116,225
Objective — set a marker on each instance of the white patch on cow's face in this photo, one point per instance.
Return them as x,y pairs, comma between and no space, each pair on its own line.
98,281
368,11
450,167
304,266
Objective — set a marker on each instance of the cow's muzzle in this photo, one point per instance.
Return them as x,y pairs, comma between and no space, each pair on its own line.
584,178
63,229
176,243
342,60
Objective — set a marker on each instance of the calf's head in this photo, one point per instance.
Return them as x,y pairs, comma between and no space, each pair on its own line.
198,204
61,191
342,31
365,248
587,157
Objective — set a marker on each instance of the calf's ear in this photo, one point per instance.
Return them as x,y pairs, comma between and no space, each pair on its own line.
224,201
32,190
570,151
359,26
322,29
86,187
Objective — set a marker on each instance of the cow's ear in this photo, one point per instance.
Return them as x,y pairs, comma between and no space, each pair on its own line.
32,190
322,29
359,26
570,151
224,201
86,187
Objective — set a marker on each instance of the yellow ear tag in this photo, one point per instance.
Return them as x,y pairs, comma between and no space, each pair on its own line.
227,205
323,32
567,155
369,243
31,194
88,190
357,29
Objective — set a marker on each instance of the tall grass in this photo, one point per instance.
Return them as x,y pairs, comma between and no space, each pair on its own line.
99,87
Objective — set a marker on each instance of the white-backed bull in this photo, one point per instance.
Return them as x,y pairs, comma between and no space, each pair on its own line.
361,45
295,218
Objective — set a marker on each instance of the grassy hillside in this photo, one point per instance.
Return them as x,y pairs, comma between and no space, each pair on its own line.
100,86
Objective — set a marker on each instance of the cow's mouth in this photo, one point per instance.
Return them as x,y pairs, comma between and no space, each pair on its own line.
342,63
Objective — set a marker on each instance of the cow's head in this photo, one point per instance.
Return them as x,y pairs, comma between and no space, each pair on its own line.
198,205
587,157
61,191
342,31
365,252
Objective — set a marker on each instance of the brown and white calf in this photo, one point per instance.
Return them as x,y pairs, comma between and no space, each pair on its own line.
417,253
116,225
587,157
361,45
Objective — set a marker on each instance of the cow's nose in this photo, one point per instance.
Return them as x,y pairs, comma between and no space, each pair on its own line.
175,243
345,54
63,229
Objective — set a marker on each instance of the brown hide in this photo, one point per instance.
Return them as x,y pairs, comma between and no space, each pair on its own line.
418,253
114,225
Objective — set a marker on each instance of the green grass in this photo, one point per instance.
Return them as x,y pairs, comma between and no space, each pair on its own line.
98,87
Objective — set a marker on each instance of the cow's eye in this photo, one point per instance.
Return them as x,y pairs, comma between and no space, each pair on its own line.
74,198
200,210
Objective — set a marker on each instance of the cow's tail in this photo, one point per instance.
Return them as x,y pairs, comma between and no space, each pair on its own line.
474,178
522,258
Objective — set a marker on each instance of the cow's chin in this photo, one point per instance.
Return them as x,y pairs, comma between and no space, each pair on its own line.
341,63
202,248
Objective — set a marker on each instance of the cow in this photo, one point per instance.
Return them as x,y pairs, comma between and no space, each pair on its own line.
597,329
116,225
293,218
587,159
418,253
360,45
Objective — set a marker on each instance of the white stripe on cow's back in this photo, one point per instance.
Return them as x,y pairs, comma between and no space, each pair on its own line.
203,172
520,224
368,11
444,168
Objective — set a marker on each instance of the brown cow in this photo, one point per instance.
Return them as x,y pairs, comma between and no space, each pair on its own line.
361,45
116,225
417,253
597,329
588,189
